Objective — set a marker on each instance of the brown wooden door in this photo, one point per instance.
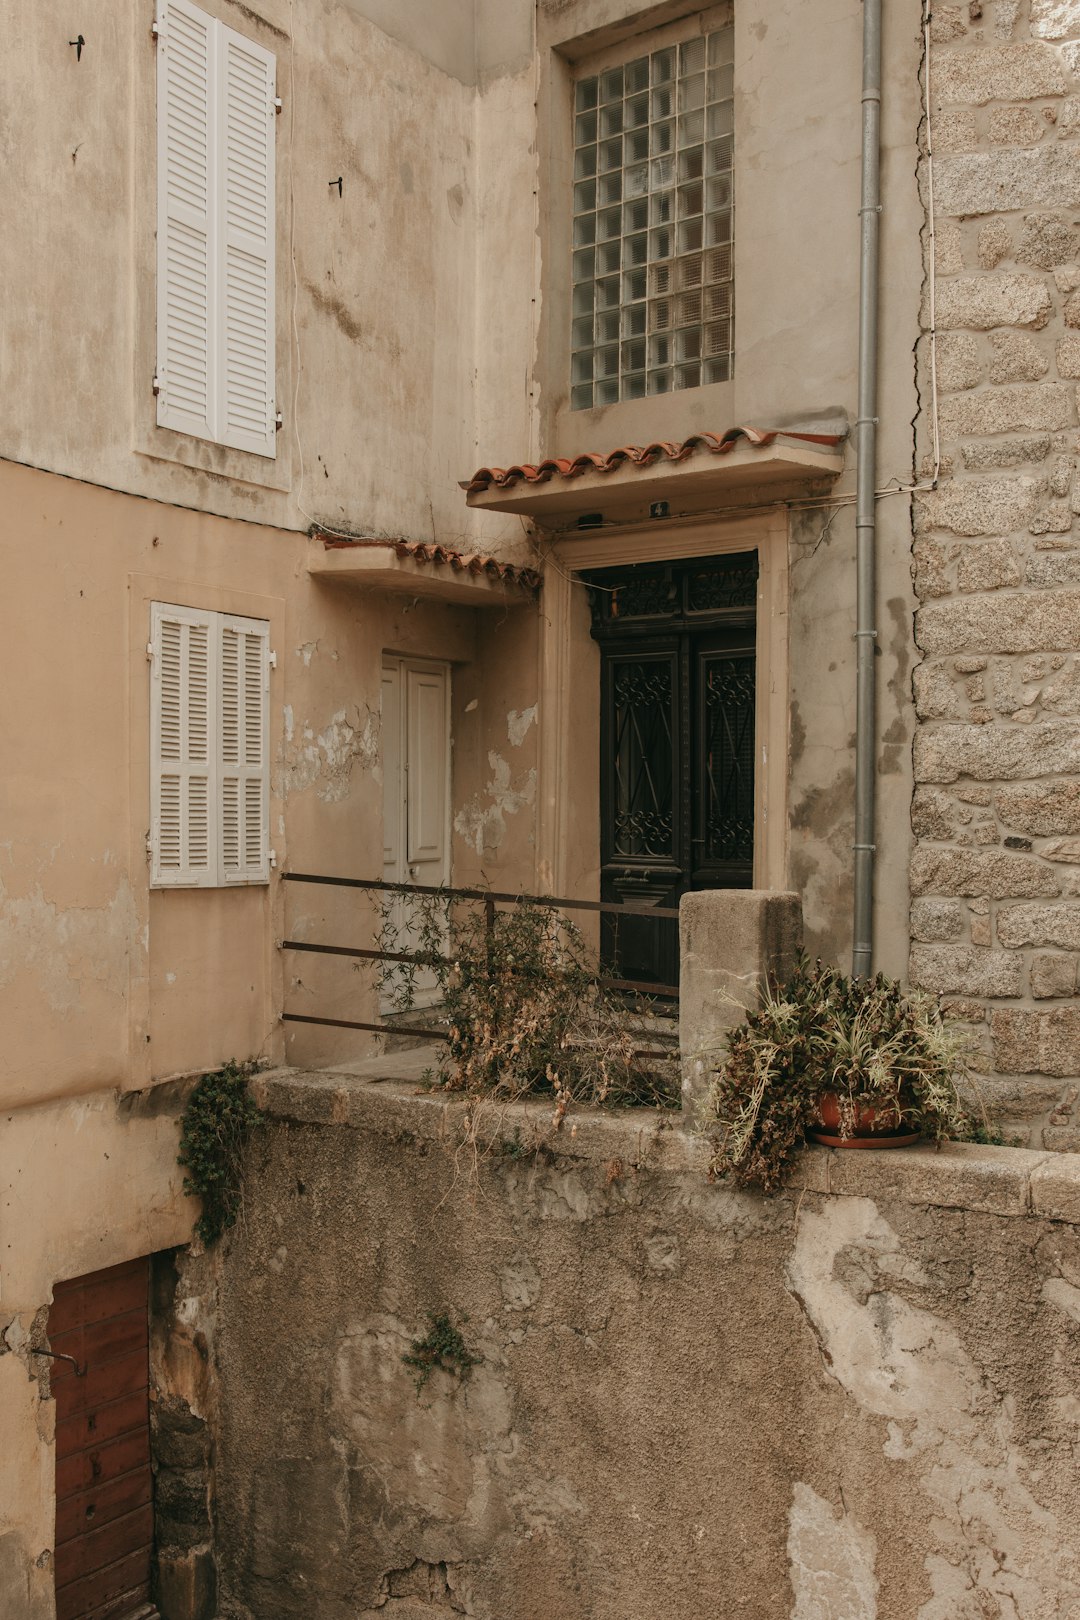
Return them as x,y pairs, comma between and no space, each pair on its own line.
104,1508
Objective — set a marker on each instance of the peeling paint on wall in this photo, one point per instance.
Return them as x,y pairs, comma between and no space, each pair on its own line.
831,1561
65,946
482,822
518,722
325,760
945,1422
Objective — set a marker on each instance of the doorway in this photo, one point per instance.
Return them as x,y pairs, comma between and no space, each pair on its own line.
104,1487
677,743
416,793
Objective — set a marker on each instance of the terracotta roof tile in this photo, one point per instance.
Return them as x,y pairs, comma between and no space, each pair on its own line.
426,552
639,455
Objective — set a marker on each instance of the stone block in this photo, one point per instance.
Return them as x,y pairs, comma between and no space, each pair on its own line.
974,183
936,694
1016,357
1067,355
1055,518
966,971
948,252
999,73
959,363
1036,1041
949,23
994,243
1050,406
1062,695
935,814
1052,974
1046,240
988,566
1009,453
995,873
1039,925
731,942
991,506
1053,568
980,302
1055,1190
1026,623
1062,849
1041,808
1015,126
996,753
955,131
933,919
1055,19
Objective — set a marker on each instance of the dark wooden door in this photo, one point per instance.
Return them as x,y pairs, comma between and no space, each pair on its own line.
677,742
104,1488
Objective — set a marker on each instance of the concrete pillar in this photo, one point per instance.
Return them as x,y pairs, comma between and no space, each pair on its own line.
730,942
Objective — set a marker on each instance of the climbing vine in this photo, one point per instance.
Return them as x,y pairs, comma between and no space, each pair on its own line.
441,1346
219,1117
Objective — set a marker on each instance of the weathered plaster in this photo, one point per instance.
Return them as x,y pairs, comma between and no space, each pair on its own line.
482,821
325,760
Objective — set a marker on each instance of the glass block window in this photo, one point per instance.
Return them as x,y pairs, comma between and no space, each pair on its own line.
652,254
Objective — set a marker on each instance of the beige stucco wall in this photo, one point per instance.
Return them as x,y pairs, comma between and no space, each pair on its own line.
377,290
854,1400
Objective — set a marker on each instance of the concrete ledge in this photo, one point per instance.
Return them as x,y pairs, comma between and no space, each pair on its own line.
1000,1181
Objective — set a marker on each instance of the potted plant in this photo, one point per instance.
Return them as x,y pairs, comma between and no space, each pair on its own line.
852,1062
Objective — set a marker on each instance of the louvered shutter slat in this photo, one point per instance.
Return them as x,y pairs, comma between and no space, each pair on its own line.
246,386
185,220
183,692
245,780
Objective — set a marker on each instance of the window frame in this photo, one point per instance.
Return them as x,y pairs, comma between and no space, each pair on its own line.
719,289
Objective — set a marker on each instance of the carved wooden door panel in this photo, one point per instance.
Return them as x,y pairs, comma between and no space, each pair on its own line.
677,744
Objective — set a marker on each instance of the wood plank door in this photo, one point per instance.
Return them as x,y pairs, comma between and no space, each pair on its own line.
416,795
104,1486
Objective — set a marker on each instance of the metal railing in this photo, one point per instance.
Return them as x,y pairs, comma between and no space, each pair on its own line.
491,900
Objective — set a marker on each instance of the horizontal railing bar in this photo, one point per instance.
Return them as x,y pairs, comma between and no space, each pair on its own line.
432,1034
638,984
355,1023
427,961
556,902
365,955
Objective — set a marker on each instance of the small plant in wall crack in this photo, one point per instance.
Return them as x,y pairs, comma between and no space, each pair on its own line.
441,1346
219,1117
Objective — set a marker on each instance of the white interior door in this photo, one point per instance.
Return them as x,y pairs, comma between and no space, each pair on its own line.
416,791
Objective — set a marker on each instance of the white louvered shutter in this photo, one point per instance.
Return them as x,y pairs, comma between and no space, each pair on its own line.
186,219
183,690
216,216
246,152
244,777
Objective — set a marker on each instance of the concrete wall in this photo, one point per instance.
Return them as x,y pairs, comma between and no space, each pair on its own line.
993,915
857,1399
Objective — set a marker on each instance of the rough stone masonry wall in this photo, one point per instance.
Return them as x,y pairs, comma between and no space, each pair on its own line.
856,1401
995,917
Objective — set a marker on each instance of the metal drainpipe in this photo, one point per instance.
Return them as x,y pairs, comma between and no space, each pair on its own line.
865,513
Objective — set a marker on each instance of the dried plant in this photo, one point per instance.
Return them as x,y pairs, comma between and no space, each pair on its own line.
873,1045
523,1011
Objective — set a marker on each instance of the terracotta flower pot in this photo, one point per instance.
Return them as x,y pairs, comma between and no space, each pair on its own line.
868,1133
